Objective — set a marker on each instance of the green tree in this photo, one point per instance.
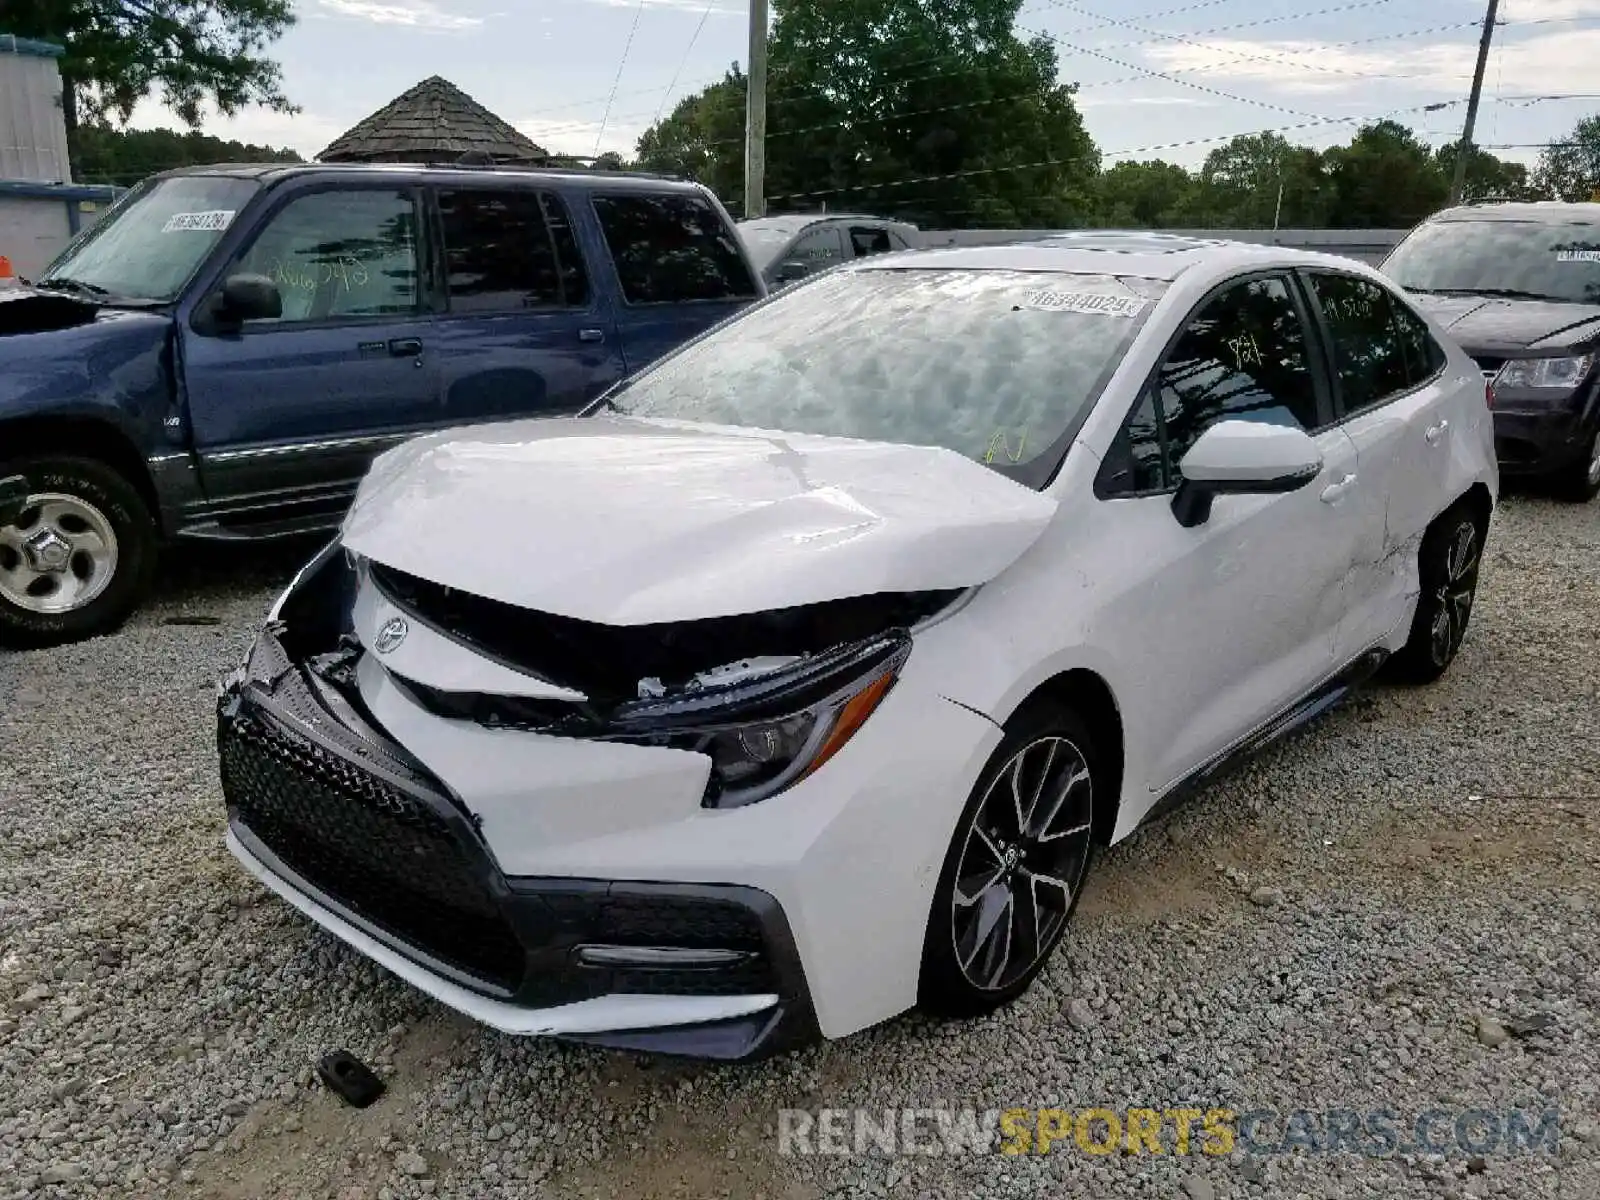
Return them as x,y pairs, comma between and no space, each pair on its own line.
1143,195
188,52
702,138
104,154
938,114
1384,179
1488,177
1259,179
1570,169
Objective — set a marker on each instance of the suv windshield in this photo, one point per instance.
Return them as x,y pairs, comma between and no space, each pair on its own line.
147,247
995,365
1539,260
765,237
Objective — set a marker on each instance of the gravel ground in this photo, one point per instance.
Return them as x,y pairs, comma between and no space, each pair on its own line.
1350,923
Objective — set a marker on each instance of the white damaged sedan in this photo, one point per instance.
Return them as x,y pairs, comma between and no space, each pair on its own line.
797,682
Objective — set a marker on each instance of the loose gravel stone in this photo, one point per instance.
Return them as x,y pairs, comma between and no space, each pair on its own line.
1267,897
1441,845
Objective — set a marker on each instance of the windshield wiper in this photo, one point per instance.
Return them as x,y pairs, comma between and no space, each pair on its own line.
1496,294
63,284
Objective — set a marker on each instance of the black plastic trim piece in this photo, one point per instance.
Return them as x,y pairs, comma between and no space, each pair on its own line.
1319,700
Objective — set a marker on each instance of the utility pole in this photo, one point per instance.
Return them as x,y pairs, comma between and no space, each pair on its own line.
1464,151
755,115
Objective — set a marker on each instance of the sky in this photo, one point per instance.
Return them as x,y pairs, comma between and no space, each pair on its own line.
1158,78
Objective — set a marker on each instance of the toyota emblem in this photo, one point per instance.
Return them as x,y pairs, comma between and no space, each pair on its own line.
391,635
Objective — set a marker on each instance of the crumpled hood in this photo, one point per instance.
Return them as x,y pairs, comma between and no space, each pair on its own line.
630,522
1486,325
30,310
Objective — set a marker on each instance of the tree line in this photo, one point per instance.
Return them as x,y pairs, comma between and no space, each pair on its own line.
948,115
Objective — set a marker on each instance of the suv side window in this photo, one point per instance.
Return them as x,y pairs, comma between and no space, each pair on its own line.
672,248
340,254
1368,357
870,241
500,255
1243,356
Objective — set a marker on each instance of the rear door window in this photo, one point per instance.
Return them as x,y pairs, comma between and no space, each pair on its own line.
866,241
672,248
1369,358
501,253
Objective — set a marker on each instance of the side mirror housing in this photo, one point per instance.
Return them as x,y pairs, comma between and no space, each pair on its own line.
247,298
1243,458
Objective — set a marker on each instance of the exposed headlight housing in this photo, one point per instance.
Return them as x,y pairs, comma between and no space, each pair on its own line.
767,734
1545,374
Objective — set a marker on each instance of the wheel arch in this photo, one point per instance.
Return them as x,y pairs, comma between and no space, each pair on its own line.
1481,503
83,437
1088,694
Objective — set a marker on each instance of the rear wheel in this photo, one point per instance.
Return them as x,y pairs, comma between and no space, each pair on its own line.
1580,482
1015,868
77,558
1452,551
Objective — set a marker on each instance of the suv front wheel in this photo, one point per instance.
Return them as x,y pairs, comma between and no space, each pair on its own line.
78,555
1580,482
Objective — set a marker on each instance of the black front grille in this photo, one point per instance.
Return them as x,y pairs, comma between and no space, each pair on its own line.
372,846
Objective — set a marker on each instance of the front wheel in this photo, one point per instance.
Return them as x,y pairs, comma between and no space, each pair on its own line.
1580,483
1015,868
77,558
1447,566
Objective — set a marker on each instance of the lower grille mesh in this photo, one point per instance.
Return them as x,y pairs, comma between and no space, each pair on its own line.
368,844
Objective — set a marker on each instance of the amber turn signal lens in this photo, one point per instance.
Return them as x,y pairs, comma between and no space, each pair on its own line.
851,717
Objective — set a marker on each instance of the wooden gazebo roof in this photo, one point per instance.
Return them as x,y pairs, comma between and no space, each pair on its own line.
434,122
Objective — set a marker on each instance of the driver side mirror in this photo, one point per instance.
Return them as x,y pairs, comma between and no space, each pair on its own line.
247,298
1243,458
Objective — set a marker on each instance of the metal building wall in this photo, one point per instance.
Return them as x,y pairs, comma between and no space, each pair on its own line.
33,135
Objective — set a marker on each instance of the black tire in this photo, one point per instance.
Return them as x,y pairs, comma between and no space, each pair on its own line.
1447,564
110,495
1580,482
1051,743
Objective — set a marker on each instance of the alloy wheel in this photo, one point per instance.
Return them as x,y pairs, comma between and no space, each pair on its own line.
59,556
1453,600
1022,861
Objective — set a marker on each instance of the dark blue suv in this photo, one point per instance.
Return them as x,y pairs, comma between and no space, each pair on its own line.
223,354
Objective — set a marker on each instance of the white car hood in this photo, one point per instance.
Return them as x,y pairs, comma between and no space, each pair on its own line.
631,522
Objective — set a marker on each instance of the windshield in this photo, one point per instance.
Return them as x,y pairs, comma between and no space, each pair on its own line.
149,245
1539,259
995,365
764,240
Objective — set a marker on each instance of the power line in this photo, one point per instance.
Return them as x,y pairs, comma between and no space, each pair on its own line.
1054,162
1099,83
626,47
710,4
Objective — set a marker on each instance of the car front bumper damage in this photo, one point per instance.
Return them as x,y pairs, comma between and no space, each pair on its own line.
336,818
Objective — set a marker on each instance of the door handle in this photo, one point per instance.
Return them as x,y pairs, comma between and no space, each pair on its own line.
406,347
591,335
1435,432
1334,492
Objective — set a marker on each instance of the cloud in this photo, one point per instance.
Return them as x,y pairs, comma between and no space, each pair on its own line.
1101,100
1548,63
414,14
719,8
305,132
1555,10
577,137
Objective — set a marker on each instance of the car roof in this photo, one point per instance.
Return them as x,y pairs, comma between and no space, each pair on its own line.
1553,211
275,172
795,222
1162,256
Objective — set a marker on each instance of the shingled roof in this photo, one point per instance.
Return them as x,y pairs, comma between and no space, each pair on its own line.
434,122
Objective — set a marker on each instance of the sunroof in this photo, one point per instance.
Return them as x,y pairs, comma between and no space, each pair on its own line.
1132,242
